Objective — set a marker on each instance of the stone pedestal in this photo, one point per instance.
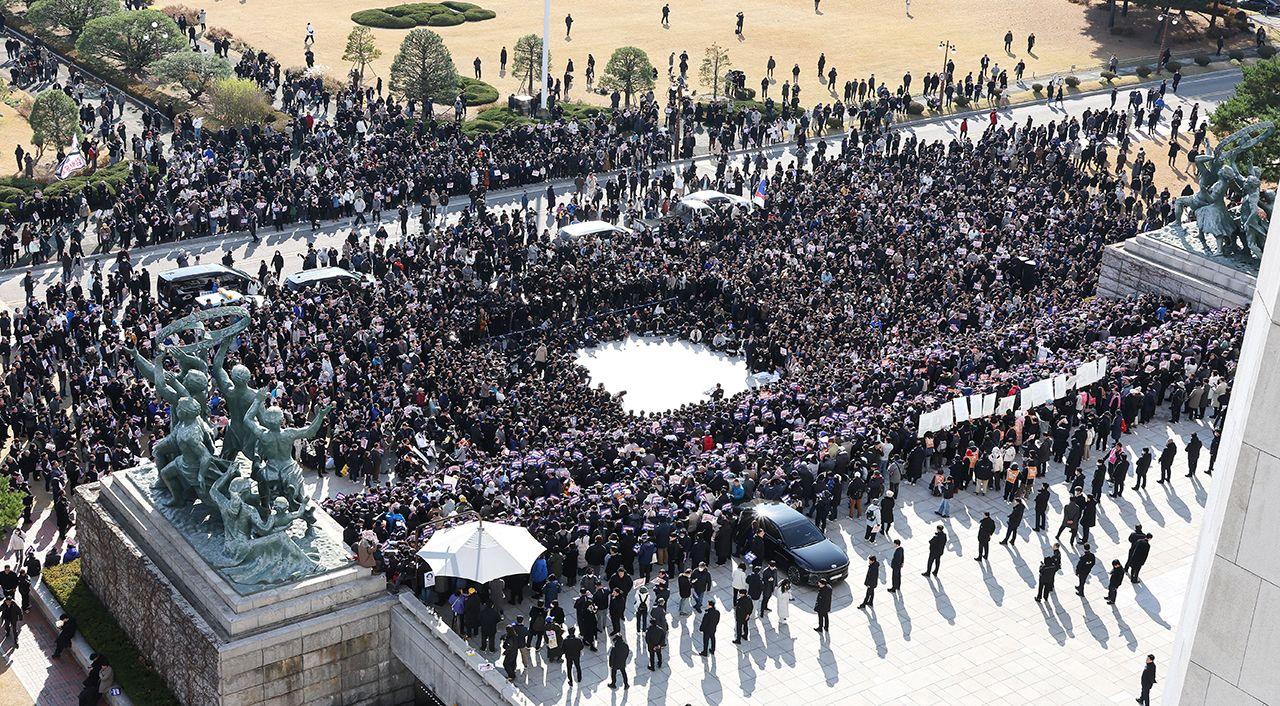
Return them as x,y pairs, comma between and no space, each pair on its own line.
1152,263
321,640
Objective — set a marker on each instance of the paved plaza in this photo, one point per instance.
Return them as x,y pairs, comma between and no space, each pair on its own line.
974,635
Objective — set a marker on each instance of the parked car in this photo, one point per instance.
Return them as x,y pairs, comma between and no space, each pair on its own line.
799,547
180,287
719,201
600,229
228,297
324,275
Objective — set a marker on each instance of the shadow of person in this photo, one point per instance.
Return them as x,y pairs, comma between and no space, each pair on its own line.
993,585
1051,622
1094,623
942,601
1131,640
1149,604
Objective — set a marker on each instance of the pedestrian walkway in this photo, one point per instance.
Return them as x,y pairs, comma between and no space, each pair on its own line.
47,682
972,636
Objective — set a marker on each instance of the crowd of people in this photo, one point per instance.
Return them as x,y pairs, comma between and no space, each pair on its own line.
883,275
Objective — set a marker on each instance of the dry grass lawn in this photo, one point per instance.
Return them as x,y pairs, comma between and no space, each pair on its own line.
859,37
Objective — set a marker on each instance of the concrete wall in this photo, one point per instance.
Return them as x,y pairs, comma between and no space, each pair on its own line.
1228,638
438,657
340,655
167,630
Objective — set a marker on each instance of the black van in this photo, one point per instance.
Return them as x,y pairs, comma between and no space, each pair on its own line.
180,287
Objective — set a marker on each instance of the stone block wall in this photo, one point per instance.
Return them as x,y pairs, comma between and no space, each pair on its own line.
440,660
336,657
166,629
1142,265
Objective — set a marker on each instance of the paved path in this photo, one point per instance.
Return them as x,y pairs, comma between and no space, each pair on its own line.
972,636
1208,89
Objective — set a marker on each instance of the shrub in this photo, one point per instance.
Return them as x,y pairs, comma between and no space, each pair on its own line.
105,636
502,115
445,20
1236,54
579,111
238,102
915,108
961,101
1202,59
191,15
1073,81
417,14
1173,65
476,126
1108,76
476,92
1143,71
380,19
1266,51
1037,88
10,500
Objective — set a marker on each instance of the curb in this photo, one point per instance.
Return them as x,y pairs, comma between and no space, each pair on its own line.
51,609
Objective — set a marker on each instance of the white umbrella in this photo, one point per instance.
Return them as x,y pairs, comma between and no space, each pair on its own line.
481,551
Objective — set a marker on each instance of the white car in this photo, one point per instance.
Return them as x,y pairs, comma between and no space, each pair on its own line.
322,275
228,297
717,200
600,229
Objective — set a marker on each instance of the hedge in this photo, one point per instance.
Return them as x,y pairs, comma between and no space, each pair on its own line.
1143,71
1266,51
1236,54
915,108
106,636
1202,59
429,14
476,92
113,176
1108,75
502,115
1072,81
1173,65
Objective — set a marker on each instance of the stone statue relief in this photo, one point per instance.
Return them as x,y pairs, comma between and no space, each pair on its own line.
1239,230
249,484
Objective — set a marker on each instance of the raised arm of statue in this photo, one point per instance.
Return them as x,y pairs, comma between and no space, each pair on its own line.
251,417
190,362
311,429
218,370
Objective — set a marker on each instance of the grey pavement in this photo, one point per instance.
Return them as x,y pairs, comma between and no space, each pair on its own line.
974,635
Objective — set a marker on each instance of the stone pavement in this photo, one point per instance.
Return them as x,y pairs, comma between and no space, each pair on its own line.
46,682
975,635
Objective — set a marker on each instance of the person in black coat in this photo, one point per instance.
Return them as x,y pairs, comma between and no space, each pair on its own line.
822,606
937,543
67,628
710,620
742,609
1084,567
1088,517
1138,556
895,566
1166,461
511,645
619,653
1148,680
1048,570
871,581
655,639
1140,469
1042,508
1015,519
1114,580
1193,454
572,648
490,616
986,528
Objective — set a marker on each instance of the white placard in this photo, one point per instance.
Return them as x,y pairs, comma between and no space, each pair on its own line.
1005,404
961,407
989,404
1060,387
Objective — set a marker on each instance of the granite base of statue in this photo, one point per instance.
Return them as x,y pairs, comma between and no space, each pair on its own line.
233,584
1208,255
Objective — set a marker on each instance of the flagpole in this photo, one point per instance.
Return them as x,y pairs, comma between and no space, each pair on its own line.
546,49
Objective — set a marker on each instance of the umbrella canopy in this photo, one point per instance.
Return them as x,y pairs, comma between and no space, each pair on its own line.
481,551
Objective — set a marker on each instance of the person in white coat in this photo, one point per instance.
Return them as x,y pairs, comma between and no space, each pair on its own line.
784,600
17,543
